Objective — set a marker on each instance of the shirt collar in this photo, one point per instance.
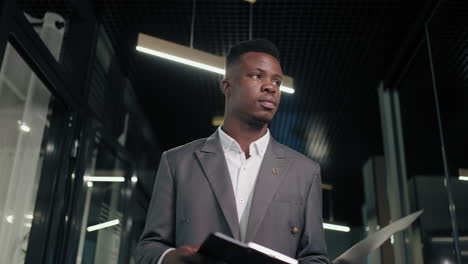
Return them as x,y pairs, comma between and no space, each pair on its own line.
257,147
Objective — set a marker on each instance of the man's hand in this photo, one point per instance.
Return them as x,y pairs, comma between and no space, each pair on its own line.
186,255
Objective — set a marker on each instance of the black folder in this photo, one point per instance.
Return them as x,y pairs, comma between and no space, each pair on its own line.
229,250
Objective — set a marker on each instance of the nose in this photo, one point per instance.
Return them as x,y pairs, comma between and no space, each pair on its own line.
269,87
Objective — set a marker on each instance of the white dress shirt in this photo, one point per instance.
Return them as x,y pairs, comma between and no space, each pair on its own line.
243,173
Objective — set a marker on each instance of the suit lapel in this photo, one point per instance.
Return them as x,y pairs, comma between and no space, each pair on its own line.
272,172
214,165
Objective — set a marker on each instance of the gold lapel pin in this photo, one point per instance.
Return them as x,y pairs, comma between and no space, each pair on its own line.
276,170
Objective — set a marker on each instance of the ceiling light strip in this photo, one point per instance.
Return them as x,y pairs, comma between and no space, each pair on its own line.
463,178
104,178
336,227
181,60
192,57
103,225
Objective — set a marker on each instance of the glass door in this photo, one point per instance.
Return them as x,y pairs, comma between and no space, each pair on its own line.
26,113
108,181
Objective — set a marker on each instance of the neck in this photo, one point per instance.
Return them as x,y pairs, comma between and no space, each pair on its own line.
243,133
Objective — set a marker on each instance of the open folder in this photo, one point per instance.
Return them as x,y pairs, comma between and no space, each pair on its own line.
229,250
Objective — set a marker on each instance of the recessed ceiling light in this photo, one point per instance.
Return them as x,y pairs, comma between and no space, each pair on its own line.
10,219
134,179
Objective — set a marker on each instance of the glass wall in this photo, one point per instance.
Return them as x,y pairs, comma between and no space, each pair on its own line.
447,33
425,123
107,178
65,187
423,159
25,121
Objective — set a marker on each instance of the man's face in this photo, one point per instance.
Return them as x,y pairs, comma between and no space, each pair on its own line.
253,88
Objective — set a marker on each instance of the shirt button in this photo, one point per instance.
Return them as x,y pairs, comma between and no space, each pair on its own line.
242,200
243,168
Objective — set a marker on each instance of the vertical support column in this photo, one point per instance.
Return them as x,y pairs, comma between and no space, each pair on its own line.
370,216
377,211
396,178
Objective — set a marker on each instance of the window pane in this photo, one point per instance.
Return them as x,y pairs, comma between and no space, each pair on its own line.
24,112
448,34
106,178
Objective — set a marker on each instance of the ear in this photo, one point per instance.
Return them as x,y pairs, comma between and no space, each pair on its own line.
226,87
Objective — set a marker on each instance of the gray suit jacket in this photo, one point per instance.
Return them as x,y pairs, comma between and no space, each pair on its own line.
193,197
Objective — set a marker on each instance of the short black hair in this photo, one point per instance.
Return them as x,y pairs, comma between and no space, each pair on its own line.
256,45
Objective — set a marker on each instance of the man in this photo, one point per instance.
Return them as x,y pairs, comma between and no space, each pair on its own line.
239,181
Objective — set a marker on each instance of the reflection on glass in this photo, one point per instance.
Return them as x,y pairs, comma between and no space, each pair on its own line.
101,228
448,35
424,163
24,111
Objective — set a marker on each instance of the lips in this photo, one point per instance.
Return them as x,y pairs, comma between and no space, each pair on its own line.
268,103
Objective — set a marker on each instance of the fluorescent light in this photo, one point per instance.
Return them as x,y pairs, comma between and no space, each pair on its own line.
134,179
25,127
287,89
181,60
193,57
336,227
462,173
10,219
90,184
103,225
104,178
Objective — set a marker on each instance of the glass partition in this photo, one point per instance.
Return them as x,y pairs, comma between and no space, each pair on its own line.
448,37
107,178
423,160
24,124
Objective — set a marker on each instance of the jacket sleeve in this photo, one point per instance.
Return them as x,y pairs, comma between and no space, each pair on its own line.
159,232
312,248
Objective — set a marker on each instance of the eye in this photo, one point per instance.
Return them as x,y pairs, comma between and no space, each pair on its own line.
277,83
256,76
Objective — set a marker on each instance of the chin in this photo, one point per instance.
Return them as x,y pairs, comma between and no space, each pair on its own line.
259,122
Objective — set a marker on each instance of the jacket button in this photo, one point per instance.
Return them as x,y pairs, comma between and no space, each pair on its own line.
294,230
